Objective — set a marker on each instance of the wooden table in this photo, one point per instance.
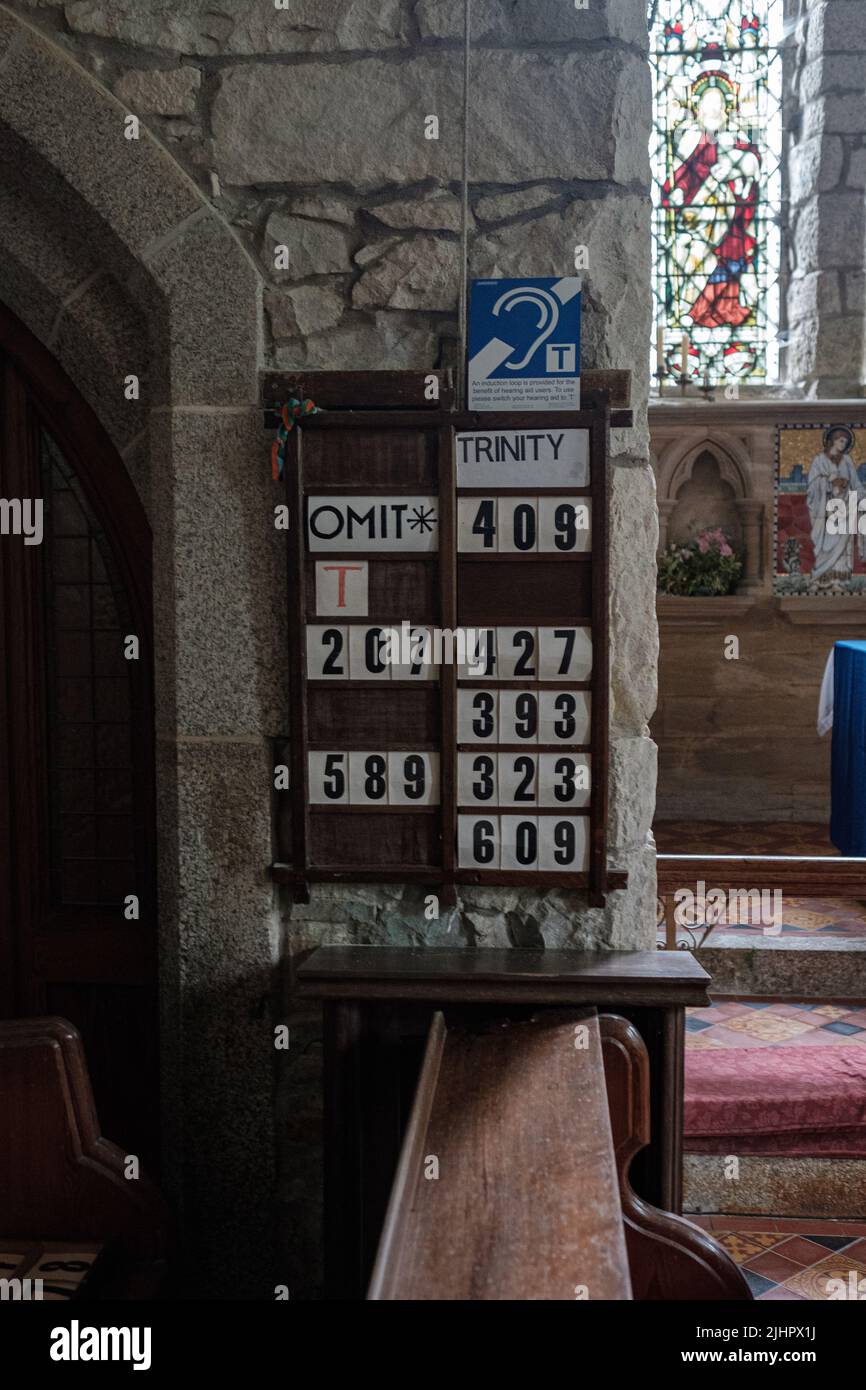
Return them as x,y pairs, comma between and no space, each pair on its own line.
378,1004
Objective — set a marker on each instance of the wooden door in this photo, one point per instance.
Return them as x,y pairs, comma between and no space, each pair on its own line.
77,873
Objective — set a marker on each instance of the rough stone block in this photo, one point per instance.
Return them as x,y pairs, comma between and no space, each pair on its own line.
162,93
315,248
219,573
423,273
814,295
634,637
435,212
828,232
363,121
632,791
296,313
832,72
814,166
330,209
857,169
238,27
500,207
855,292
542,21
530,117
391,341
835,26
836,115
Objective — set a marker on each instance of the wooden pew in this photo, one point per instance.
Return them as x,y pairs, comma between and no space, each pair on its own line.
525,1205
669,1256
60,1180
513,1180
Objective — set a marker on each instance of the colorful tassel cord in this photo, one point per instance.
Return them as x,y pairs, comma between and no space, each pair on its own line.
293,411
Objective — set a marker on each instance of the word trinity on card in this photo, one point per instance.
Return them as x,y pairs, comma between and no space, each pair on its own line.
519,458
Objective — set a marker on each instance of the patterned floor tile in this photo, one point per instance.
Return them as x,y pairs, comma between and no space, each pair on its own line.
745,1245
696,1025
699,1042
729,1037
780,1294
836,1242
814,1281
845,1030
831,1011
802,1251
757,1283
773,1266
769,1028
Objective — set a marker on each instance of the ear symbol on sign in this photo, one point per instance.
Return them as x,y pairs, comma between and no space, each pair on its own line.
548,317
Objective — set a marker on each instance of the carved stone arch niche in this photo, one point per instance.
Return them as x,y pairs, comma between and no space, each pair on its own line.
705,479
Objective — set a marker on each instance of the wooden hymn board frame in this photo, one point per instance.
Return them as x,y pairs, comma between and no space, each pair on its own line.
344,465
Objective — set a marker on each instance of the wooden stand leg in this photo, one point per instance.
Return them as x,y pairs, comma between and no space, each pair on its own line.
342,1159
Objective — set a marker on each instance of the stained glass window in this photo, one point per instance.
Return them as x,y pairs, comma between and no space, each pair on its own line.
716,185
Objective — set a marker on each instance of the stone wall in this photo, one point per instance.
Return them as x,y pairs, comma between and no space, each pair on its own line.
304,127
825,148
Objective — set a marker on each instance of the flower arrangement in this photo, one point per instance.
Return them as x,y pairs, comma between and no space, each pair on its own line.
707,567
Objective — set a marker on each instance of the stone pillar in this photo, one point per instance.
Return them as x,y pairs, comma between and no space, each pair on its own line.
825,120
666,510
751,514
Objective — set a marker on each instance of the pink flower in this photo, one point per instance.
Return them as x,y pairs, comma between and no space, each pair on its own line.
703,543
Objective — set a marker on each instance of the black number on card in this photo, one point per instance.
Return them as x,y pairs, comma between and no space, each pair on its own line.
524,527
566,635
525,716
564,842
374,783
566,768
526,843
332,637
526,641
334,779
565,522
415,780
483,843
525,770
566,706
484,524
373,644
483,704
484,652
483,789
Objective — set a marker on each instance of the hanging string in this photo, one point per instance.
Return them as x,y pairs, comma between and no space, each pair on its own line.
464,295
290,414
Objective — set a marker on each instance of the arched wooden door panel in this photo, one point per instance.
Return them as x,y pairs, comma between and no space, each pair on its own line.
77,840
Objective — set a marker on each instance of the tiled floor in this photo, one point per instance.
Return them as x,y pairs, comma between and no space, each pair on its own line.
793,1260
801,917
739,1024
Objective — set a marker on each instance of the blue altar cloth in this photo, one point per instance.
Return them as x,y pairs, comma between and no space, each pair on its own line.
848,777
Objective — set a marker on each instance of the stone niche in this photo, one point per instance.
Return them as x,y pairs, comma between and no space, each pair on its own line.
706,481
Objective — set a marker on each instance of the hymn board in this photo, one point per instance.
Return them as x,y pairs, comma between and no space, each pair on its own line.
448,625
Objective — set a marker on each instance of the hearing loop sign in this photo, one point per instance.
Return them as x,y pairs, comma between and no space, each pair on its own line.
524,344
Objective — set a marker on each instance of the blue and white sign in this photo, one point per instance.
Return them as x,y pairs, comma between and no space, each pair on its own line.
524,344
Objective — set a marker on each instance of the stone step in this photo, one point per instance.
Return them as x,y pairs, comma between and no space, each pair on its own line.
815,1187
